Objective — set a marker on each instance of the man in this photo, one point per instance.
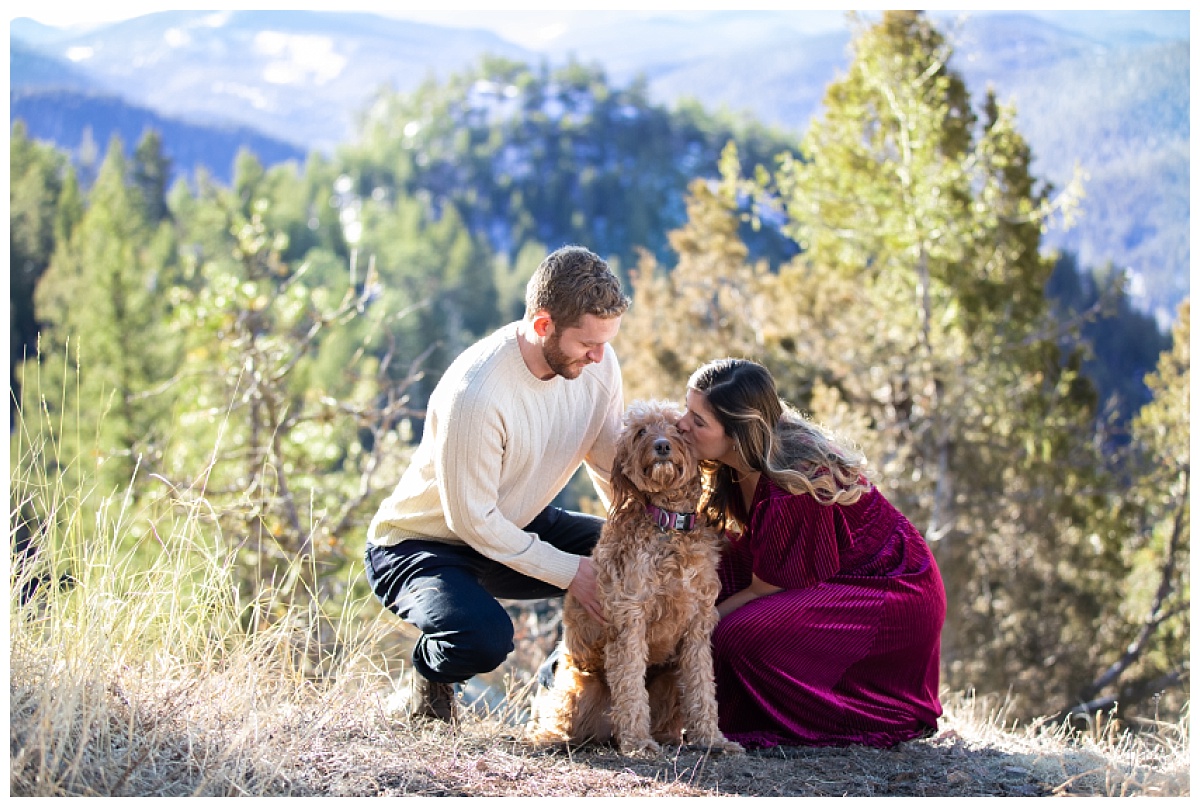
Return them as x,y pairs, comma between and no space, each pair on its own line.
507,426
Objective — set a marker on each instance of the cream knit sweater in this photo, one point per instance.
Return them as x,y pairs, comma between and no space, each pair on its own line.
499,444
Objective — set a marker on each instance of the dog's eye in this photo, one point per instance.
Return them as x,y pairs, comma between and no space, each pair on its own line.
641,432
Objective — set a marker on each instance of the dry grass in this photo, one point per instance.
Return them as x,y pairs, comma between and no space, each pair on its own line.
154,680
89,720
484,757
221,737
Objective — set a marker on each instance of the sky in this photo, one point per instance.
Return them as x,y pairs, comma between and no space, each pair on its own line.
72,12
516,16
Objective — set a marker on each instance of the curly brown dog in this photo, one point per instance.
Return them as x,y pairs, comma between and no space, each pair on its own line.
646,676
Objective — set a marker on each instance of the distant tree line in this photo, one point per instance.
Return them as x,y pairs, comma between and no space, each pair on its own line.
258,355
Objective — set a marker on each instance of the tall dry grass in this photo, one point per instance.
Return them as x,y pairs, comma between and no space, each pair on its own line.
135,666
147,675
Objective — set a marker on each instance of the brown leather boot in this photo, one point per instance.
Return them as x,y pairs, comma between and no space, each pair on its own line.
434,701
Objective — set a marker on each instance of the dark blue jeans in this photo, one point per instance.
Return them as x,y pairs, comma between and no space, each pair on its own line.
449,592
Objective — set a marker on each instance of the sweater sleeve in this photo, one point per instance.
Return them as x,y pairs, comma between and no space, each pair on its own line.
469,455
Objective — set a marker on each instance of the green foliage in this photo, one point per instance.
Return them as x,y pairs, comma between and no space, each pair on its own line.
151,170
102,315
547,156
432,267
280,394
40,186
205,363
707,306
1163,426
1159,596
510,280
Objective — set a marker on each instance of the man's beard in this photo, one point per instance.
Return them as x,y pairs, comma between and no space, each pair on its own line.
559,362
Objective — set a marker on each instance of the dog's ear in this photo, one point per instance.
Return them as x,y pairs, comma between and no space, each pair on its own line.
622,487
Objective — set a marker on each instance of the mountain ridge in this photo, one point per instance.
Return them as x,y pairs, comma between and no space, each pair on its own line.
77,121
304,77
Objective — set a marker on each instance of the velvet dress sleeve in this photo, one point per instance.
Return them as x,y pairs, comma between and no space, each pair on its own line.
794,541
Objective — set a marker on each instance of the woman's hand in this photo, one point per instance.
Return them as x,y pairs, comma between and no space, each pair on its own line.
756,589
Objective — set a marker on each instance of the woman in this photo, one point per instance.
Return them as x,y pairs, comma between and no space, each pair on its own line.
831,604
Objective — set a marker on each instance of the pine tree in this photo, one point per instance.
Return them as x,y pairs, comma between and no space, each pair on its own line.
922,221
103,350
1150,644
434,268
704,307
151,174
36,187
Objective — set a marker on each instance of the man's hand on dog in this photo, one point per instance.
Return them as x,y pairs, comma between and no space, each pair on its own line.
584,589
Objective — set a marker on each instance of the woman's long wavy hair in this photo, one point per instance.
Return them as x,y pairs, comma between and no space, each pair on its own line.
773,438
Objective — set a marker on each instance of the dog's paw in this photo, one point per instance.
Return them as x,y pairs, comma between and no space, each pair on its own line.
724,746
541,737
717,745
639,747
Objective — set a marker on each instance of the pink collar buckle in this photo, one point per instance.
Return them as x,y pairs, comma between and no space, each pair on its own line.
669,520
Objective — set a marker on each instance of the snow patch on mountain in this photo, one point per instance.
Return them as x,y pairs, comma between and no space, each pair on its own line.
299,58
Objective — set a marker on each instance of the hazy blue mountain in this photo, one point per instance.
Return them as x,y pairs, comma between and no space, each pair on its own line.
296,75
68,119
1123,27
660,43
39,71
780,80
1120,111
1108,91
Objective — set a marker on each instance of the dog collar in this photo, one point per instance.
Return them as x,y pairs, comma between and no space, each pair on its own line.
669,520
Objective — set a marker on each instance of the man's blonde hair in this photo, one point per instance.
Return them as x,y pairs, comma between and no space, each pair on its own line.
571,282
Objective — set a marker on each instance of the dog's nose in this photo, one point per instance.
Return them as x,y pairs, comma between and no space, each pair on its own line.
662,447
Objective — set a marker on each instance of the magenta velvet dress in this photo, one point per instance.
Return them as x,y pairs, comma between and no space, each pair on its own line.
848,652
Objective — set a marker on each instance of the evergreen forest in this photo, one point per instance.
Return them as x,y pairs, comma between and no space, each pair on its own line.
255,355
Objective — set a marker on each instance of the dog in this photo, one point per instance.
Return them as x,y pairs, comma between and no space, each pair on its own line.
646,676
